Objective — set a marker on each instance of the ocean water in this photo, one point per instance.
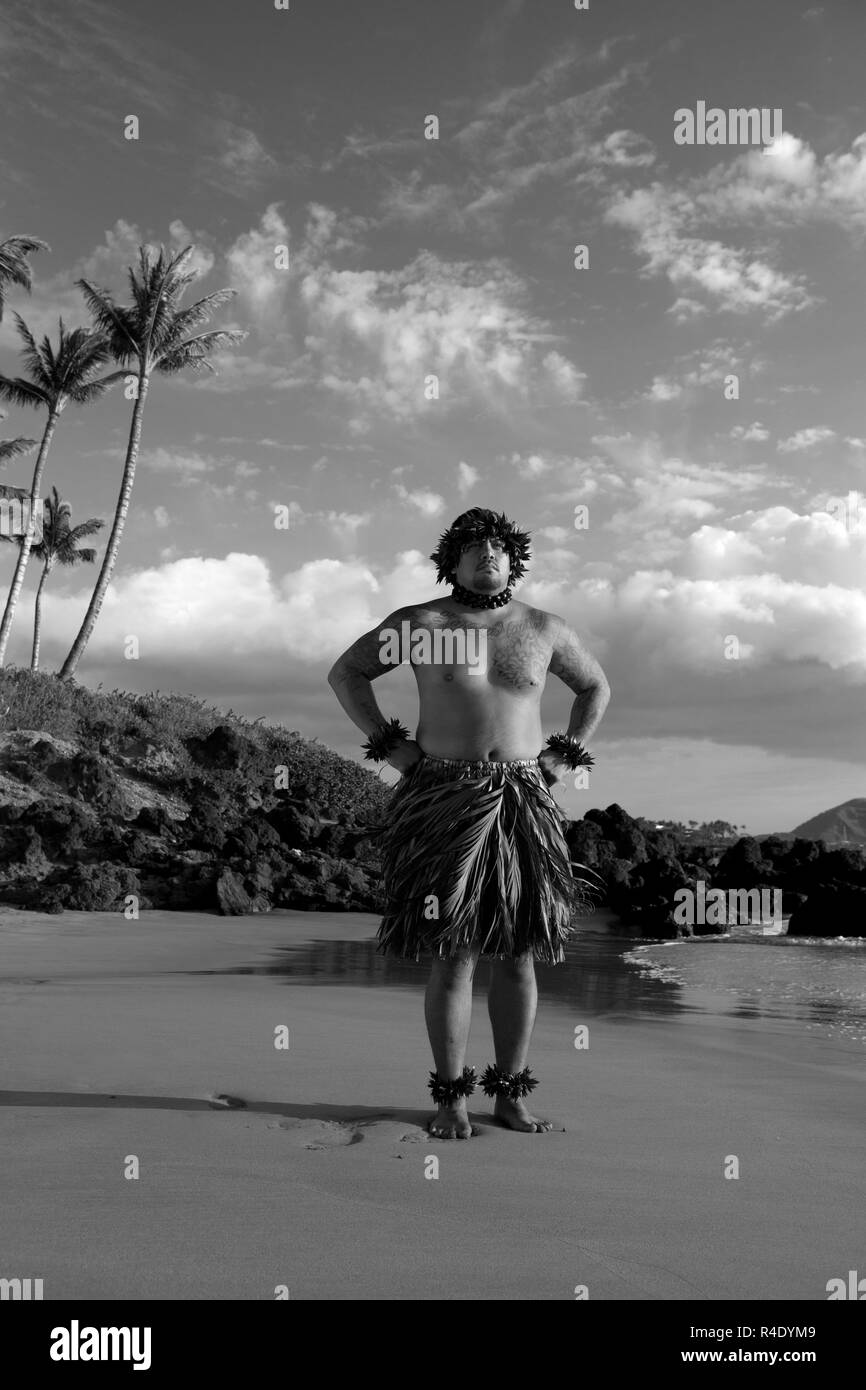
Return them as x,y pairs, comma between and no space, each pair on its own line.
813,984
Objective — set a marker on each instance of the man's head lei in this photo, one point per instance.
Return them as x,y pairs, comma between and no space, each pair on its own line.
479,524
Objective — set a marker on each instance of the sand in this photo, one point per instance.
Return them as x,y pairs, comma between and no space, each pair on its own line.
115,1040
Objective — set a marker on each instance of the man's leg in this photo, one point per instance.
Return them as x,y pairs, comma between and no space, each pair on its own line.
511,1002
448,1011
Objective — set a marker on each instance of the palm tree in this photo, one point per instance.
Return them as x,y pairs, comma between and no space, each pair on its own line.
58,546
56,378
153,333
14,266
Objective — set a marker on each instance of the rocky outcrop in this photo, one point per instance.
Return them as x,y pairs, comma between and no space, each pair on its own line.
823,888
832,909
195,827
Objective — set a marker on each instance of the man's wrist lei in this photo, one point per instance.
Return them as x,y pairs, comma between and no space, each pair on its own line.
569,750
384,740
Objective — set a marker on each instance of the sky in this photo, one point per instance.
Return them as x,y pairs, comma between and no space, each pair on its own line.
695,381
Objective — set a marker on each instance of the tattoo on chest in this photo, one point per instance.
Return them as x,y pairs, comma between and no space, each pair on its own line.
519,652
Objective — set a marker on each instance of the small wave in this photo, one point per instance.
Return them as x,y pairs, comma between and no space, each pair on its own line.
752,938
654,970
822,988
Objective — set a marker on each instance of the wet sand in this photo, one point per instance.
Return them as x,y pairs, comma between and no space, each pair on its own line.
118,1037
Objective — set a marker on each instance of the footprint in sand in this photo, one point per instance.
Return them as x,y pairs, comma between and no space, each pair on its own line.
339,1134
321,1134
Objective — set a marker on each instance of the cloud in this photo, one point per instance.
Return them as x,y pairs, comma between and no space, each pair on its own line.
755,433
377,336
657,219
674,226
563,375
187,468
238,162
626,149
345,525
663,390
203,257
509,144
48,58
467,477
252,269
805,439
427,503
532,466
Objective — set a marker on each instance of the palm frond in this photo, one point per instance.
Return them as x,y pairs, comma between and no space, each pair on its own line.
17,391
185,320
30,353
11,448
91,390
14,266
193,351
47,357
86,528
115,321
16,246
160,286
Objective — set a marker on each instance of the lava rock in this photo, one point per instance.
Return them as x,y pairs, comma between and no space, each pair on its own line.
831,910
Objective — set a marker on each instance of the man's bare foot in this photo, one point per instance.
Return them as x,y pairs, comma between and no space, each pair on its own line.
451,1122
515,1115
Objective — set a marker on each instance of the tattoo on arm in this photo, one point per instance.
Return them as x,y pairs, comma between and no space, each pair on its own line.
572,662
362,658
582,674
353,673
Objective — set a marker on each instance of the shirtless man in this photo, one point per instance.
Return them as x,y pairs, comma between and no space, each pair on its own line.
492,716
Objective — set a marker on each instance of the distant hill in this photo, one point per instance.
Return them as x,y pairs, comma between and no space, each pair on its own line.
845,824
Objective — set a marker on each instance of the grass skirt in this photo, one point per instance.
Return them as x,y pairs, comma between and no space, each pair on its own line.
474,854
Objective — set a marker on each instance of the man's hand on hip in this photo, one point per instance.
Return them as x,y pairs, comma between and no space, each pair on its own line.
551,768
405,755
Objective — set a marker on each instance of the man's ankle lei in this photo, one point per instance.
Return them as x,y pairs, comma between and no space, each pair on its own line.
445,1092
513,1084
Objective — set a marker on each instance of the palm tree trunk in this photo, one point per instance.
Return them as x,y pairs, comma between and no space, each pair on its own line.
37,619
111,549
24,549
